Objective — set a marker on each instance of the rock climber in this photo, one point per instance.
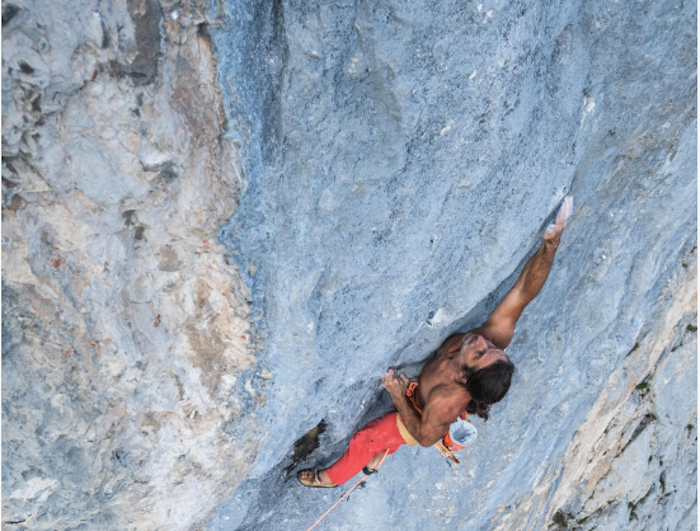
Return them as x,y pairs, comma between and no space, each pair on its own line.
470,371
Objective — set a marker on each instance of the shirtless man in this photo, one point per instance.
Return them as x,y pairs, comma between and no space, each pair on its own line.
470,371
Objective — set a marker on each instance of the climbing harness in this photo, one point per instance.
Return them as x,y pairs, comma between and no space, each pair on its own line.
348,492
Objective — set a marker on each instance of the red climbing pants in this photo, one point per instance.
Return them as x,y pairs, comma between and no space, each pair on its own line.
377,436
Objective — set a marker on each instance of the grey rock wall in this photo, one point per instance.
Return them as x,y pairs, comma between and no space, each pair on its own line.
125,325
401,163
210,258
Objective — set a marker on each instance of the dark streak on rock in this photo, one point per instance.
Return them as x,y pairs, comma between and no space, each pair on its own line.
306,445
16,522
9,11
646,420
203,31
139,103
635,347
17,203
127,215
25,68
561,519
106,41
8,183
178,384
168,172
121,459
147,17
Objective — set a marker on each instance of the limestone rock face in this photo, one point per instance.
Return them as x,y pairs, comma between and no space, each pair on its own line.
223,222
402,161
125,324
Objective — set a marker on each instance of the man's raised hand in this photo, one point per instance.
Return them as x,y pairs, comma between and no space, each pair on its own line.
552,234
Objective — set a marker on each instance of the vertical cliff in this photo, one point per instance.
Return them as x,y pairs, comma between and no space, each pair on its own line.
402,162
125,324
222,223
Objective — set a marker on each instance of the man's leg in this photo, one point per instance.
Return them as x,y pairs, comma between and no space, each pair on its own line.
366,446
374,462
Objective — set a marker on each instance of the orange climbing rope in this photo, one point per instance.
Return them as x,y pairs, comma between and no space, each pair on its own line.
348,492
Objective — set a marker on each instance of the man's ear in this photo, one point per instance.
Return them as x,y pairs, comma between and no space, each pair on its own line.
466,373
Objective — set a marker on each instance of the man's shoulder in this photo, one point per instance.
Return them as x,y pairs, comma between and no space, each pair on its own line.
451,342
449,399
454,337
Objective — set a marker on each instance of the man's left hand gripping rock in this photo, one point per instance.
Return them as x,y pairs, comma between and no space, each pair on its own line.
395,383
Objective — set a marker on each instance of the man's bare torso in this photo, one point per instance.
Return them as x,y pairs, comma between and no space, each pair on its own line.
441,375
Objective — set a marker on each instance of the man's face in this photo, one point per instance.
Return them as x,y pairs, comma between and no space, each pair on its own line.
477,352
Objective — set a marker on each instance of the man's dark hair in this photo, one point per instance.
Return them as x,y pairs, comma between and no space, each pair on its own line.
487,386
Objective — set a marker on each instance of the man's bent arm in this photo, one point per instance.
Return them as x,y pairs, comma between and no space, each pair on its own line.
426,430
410,417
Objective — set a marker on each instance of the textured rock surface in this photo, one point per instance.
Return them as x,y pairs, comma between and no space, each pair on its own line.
400,164
125,326
401,161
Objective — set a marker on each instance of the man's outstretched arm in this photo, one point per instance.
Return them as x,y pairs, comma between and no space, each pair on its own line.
500,325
